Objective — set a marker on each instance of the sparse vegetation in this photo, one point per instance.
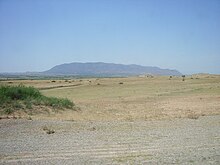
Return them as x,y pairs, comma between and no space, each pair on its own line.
29,118
193,116
8,111
173,98
48,130
28,103
183,76
14,98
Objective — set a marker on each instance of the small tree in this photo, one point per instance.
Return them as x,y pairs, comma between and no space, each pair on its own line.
183,76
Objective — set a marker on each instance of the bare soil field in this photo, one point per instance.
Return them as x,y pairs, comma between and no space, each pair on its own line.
177,141
135,120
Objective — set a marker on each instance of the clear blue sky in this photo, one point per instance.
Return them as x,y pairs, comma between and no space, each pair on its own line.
36,35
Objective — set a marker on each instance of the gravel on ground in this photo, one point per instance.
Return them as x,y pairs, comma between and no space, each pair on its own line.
176,141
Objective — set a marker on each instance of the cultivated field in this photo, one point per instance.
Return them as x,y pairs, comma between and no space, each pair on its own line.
135,120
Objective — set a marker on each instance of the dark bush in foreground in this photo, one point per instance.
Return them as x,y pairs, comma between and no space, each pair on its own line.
20,97
19,92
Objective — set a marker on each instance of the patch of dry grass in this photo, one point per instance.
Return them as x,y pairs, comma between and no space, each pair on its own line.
139,98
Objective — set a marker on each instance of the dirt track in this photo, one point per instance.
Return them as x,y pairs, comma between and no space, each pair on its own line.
177,141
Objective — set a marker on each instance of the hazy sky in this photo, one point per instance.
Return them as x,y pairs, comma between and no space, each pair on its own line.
36,35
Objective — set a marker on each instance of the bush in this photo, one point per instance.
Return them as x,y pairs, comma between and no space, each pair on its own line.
28,104
17,105
57,103
16,97
183,76
48,130
193,116
18,92
8,111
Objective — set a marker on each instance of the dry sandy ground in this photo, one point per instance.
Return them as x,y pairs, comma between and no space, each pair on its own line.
174,141
142,121
137,99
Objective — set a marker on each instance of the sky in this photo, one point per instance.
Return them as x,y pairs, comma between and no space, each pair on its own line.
36,35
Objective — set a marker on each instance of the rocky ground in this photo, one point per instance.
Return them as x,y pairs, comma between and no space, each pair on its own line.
176,141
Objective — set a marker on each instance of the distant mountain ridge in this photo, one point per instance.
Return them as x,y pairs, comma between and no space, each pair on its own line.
107,69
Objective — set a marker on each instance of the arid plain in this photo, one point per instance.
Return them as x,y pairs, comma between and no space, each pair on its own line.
134,98
135,120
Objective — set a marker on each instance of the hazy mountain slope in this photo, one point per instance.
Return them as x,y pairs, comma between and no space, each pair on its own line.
99,68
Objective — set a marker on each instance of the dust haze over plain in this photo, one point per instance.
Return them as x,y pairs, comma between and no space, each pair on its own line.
182,35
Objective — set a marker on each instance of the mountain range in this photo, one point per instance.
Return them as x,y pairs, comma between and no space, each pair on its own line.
107,69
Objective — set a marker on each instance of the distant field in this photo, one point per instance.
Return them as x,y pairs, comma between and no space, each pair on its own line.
134,98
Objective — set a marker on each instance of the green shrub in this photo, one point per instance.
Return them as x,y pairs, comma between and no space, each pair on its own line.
28,103
66,103
17,105
15,97
19,92
57,103
8,111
